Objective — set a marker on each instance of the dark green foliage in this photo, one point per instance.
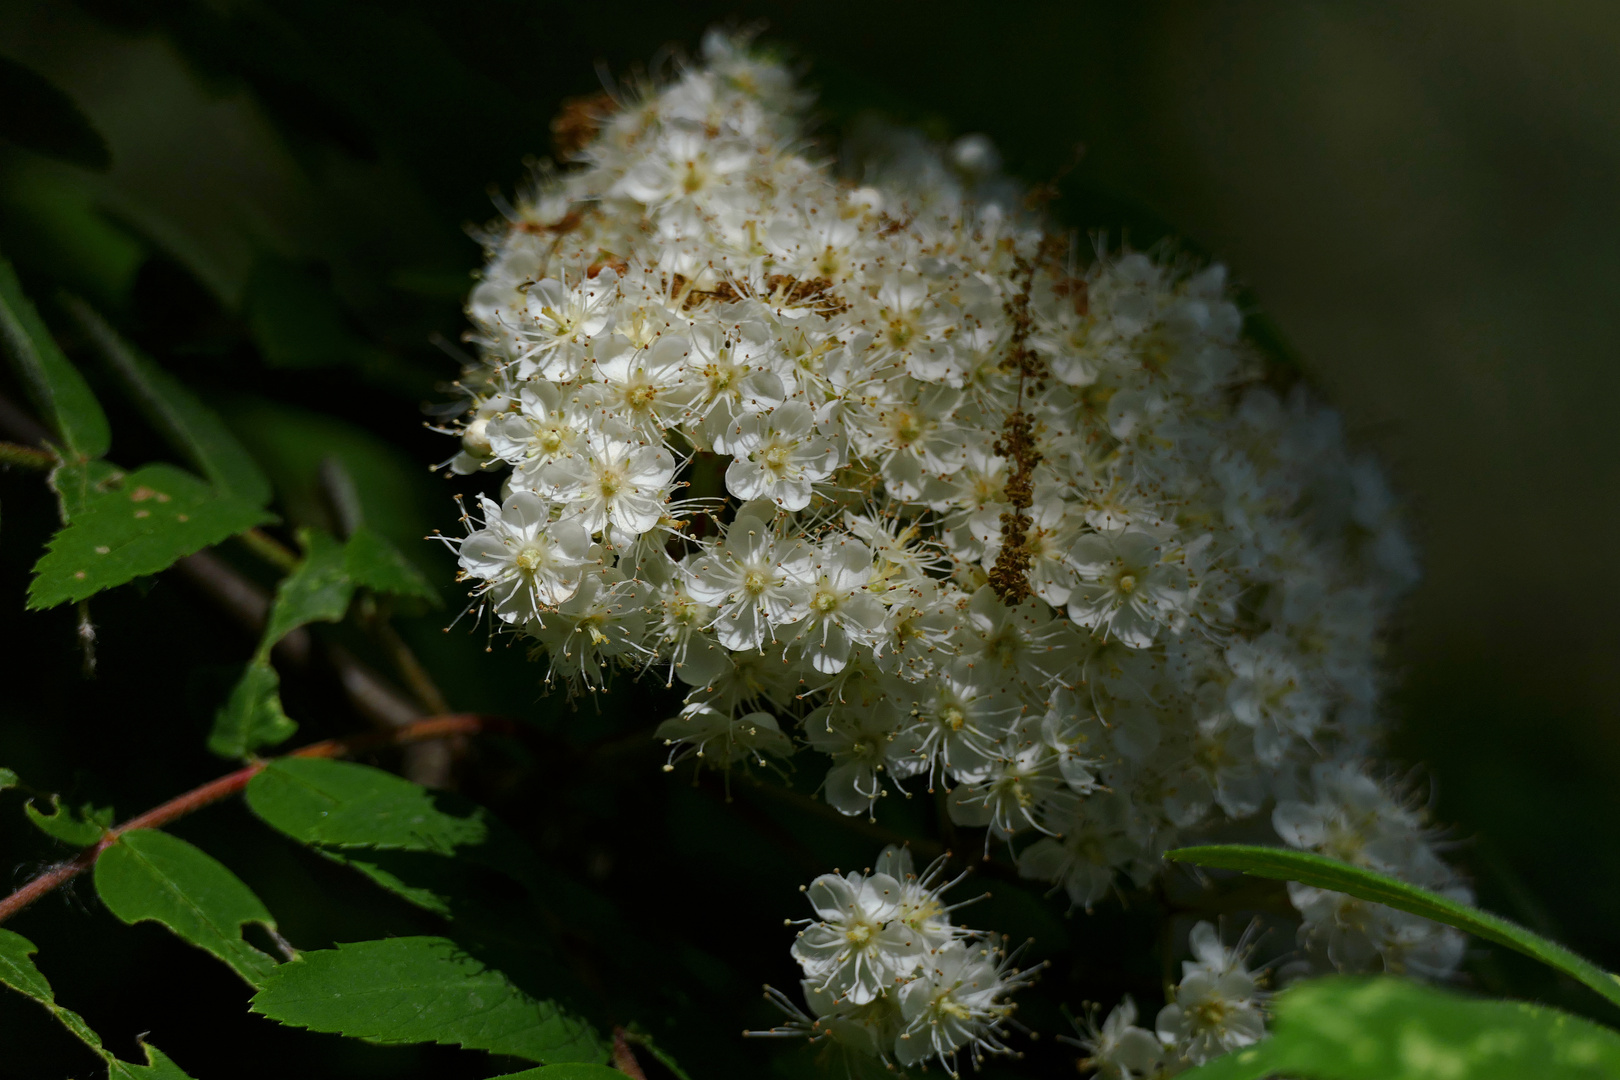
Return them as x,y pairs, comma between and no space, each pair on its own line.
192,428
421,989
373,563
1325,873
140,524
152,875
1391,1029
318,590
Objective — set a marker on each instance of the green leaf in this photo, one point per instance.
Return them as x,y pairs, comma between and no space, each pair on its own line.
421,989
253,717
319,590
55,386
1324,873
153,517
17,971
78,484
191,427
344,805
157,1067
79,827
1386,1028
377,565
41,117
152,875
8,779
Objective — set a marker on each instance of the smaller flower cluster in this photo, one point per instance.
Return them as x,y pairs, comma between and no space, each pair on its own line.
889,976
1218,1007
1349,816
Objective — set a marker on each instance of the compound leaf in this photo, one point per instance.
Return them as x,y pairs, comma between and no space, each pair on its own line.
1387,1028
1324,873
77,826
252,717
377,565
54,385
319,590
151,518
421,989
191,427
151,875
341,804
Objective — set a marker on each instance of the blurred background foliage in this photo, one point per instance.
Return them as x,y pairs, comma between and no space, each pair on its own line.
271,198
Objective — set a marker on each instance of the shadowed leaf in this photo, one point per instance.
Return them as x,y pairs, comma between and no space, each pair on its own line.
191,427
253,717
55,386
1325,873
77,826
319,590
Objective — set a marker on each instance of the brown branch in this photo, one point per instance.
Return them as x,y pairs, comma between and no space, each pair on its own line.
26,456
436,727
623,1058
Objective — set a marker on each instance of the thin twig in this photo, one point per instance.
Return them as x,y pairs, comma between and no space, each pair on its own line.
26,456
623,1058
269,549
436,727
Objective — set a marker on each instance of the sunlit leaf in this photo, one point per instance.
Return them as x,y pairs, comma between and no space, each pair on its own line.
421,989
41,117
153,517
151,875
1325,873
252,718
319,590
191,427
54,385
1387,1028
341,804
78,826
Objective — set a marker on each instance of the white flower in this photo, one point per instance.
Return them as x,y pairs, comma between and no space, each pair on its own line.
558,324
859,948
1119,1050
1217,1006
955,1004
754,581
528,562
613,482
721,740
779,456
1131,585
833,611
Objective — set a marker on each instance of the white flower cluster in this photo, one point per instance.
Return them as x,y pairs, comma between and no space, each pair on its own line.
964,512
1347,816
1217,1007
888,975
874,465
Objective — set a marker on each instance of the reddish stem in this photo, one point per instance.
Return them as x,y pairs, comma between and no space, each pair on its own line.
624,1059
434,727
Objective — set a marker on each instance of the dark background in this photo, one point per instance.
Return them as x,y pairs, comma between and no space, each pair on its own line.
1419,201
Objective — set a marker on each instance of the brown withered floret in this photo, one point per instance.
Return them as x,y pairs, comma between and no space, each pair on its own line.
779,288
578,121
565,224
1009,577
